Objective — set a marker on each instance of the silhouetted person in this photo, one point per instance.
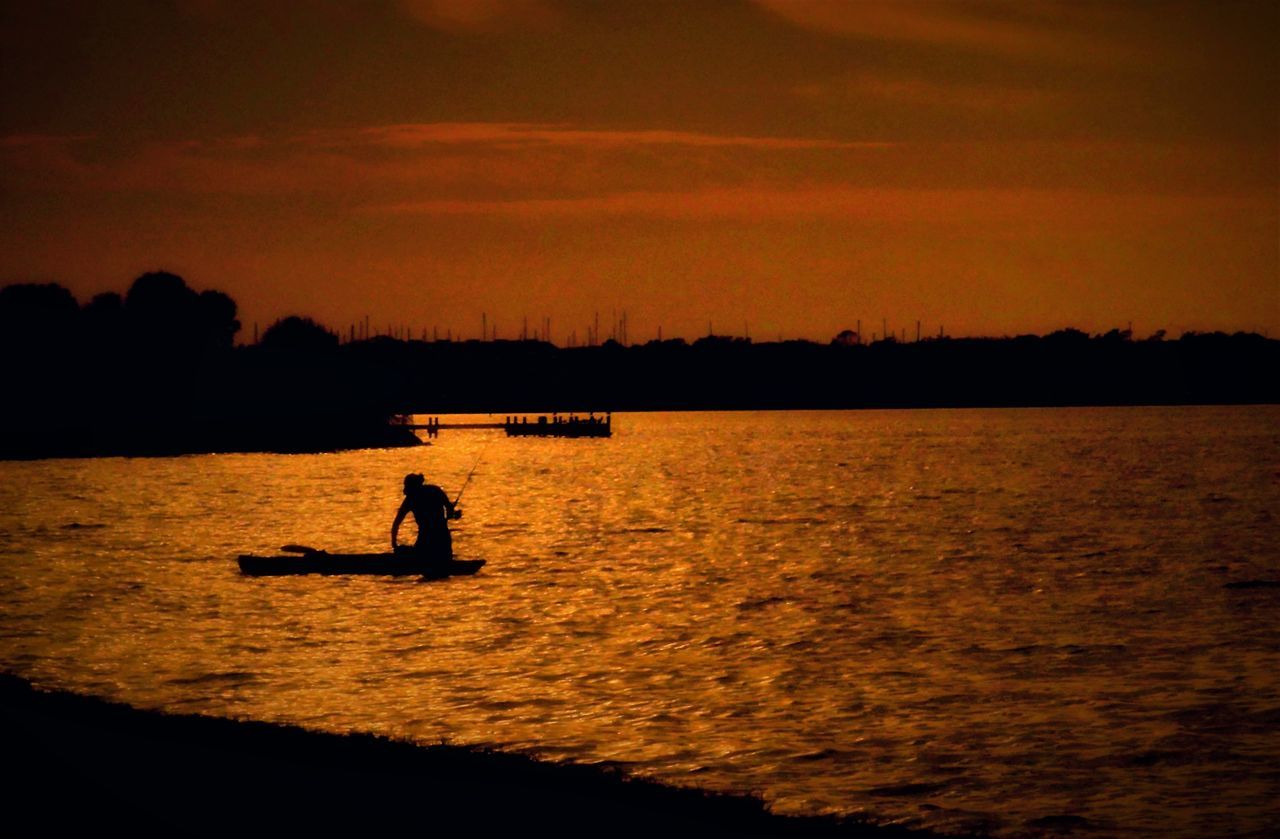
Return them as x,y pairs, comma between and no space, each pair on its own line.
431,510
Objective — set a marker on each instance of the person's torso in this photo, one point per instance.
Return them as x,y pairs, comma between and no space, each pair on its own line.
428,507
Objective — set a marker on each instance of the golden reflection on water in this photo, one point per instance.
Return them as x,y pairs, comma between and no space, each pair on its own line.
963,617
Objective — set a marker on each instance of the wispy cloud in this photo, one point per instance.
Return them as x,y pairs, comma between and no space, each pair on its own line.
476,158
921,92
935,208
549,172
42,140
511,135
1041,28
481,16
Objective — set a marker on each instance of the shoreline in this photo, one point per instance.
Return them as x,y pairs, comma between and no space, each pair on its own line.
117,765
60,444
393,437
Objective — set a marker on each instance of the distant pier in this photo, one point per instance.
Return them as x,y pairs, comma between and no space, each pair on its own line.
555,425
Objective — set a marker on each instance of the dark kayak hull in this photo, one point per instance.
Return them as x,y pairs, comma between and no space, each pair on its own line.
387,564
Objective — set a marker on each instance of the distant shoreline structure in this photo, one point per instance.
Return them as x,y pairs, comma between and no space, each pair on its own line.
157,372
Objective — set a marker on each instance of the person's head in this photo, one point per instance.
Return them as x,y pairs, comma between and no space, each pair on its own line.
412,482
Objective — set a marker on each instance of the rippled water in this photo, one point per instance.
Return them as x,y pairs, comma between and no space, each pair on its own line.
961,618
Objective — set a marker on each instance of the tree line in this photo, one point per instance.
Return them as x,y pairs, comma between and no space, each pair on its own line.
156,370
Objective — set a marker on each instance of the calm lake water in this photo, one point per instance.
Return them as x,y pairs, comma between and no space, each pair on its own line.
986,618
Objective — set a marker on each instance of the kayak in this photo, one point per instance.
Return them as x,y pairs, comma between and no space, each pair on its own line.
387,564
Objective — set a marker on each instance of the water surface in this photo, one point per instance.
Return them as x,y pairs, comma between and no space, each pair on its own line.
994,619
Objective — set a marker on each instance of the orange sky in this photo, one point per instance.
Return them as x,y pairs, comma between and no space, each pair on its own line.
782,166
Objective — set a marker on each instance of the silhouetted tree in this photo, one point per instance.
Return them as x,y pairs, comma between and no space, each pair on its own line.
103,318
41,311
162,317
719,342
160,294
39,334
1067,336
49,297
107,303
218,318
163,311
299,333
1116,336
39,337
846,338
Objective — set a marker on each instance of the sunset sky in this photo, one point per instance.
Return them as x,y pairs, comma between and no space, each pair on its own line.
782,166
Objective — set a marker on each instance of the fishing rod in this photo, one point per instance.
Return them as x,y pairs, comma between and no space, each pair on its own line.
470,475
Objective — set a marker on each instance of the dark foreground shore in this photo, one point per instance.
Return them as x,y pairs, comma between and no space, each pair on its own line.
98,764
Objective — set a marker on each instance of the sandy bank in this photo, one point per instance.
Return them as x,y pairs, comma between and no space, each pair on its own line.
102,764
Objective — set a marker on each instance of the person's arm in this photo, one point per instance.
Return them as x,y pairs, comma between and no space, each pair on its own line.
395,525
451,510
